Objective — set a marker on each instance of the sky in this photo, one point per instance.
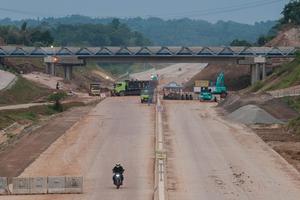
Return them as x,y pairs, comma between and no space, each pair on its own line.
244,11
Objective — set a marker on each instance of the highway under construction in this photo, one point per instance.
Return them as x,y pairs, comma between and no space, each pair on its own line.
170,150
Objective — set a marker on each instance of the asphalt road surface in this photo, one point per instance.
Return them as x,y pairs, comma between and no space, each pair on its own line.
172,73
118,130
212,159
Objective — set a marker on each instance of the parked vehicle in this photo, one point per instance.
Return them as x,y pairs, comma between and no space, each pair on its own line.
132,87
95,89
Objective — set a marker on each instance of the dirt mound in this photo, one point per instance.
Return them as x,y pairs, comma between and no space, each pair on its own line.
276,107
289,36
252,114
239,76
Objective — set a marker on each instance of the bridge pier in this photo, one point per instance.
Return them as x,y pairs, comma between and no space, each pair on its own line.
51,69
1,61
263,66
253,70
258,72
68,71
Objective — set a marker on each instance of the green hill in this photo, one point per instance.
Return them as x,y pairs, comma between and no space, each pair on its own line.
160,32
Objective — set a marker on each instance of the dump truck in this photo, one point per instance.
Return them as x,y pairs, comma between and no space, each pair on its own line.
132,87
95,89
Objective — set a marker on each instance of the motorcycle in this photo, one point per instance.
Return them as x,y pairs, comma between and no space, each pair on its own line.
118,180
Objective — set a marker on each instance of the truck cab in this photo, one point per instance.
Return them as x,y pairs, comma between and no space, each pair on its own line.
95,89
146,96
119,88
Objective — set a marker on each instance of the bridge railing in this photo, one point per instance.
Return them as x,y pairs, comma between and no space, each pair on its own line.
22,51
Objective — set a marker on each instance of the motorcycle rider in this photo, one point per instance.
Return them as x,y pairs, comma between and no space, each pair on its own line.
119,169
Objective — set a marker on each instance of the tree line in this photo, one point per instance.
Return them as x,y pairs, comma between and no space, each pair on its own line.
13,35
172,32
111,34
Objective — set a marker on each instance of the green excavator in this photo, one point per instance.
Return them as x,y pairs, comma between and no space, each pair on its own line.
209,93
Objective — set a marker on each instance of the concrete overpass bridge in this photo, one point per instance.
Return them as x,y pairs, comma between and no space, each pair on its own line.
67,57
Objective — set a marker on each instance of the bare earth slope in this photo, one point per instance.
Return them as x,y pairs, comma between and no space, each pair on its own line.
289,36
209,158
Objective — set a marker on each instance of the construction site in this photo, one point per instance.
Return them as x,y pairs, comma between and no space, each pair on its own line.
150,108
164,125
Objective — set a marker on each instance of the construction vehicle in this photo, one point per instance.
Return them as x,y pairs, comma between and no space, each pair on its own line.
95,89
206,95
147,95
132,87
154,77
220,88
209,91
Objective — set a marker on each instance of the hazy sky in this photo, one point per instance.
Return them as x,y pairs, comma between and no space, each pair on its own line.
246,11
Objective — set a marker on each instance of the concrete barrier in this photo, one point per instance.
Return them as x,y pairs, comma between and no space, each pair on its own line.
42,185
74,185
3,186
21,185
38,185
56,185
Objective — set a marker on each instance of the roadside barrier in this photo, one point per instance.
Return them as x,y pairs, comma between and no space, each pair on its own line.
38,185
21,185
74,185
56,185
3,186
42,185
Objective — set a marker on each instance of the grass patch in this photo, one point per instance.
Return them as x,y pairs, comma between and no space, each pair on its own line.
293,102
285,76
32,114
289,75
294,126
23,91
256,86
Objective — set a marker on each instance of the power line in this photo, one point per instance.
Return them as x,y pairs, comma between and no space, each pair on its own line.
237,9
28,13
221,9
212,11
203,12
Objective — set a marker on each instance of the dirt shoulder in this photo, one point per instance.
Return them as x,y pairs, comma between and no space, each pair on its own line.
29,145
284,143
276,136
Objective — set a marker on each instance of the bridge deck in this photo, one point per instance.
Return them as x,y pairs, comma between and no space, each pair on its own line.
86,52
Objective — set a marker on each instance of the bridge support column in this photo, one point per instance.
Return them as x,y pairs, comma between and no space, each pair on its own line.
254,68
263,66
68,70
50,69
258,72
2,61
